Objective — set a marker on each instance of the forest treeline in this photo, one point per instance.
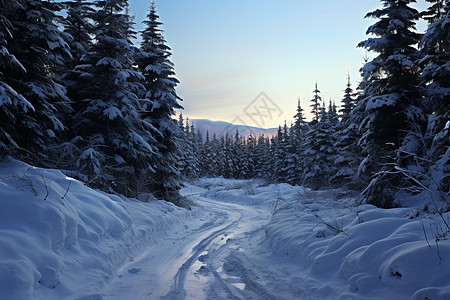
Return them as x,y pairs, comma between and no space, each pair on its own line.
390,135
76,94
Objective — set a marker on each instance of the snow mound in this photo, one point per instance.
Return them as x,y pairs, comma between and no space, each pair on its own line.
363,252
60,238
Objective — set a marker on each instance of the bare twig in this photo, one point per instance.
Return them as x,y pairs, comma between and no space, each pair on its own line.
46,187
335,227
438,251
64,196
424,232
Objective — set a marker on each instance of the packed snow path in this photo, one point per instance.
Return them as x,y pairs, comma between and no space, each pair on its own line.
207,259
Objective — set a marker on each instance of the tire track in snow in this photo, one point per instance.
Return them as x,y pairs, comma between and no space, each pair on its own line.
178,290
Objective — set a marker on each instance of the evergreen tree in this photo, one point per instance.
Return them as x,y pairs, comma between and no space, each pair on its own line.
32,100
348,154
116,143
12,104
392,99
161,101
435,53
206,159
318,153
228,159
435,57
298,130
300,125
261,157
279,155
216,165
79,26
348,103
189,161
315,104
250,157
332,114
182,146
221,160
235,156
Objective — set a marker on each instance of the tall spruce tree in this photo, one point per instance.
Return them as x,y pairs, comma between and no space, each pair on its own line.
297,134
318,153
299,126
261,157
32,99
348,152
115,142
154,63
315,105
348,102
279,154
12,104
435,58
392,99
79,26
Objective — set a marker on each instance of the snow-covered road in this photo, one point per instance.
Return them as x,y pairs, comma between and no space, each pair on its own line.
205,259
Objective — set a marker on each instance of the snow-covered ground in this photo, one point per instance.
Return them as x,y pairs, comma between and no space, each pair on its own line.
241,240
62,240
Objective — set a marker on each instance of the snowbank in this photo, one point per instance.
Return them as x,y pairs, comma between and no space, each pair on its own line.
59,238
362,252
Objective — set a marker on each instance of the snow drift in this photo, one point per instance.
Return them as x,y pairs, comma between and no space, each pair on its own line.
361,251
59,238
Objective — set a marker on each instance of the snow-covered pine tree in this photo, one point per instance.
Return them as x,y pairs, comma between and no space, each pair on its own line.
221,157
261,157
292,158
393,99
300,125
348,102
32,48
250,157
206,157
188,161
332,114
78,30
297,133
318,153
79,26
161,101
235,158
348,154
243,159
197,142
228,159
315,105
279,161
194,162
211,157
435,60
12,104
182,146
115,142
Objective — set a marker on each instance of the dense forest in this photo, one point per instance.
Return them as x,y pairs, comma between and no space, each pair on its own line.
390,135
76,94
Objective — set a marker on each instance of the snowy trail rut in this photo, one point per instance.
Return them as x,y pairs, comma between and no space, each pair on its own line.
204,259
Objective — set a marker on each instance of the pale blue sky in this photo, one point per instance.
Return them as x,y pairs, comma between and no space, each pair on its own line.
227,52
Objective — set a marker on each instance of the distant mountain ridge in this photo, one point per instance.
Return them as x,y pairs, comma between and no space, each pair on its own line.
221,128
